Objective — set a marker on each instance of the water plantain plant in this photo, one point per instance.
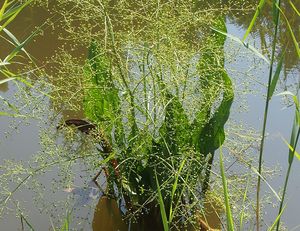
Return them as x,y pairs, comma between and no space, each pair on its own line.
170,152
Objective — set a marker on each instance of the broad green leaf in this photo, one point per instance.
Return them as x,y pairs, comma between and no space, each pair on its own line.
210,135
208,127
175,130
102,102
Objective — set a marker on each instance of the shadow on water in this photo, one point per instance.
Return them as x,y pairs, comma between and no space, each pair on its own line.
108,217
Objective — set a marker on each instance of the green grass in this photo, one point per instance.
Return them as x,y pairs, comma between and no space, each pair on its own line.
292,153
269,91
230,224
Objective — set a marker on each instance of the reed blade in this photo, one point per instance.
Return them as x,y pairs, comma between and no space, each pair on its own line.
257,12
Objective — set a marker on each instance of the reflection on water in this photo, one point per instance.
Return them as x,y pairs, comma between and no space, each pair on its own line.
3,86
264,30
212,215
107,215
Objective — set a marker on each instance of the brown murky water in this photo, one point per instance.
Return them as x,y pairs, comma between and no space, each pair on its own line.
106,214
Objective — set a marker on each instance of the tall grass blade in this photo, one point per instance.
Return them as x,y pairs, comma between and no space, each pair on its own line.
6,80
21,46
257,12
2,10
266,182
30,85
277,220
243,209
294,7
162,206
292,152
16,41
261,151
293,139
248,46
296,44
174,188
27,222
230,226
11,115
66,225
296,101
52,225
4,63
18,9
10,11
15,109
276,77
292,149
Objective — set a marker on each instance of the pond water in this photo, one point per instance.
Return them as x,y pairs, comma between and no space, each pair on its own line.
20,140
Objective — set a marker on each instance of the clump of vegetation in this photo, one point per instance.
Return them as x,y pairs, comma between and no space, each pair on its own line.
156,96
142,112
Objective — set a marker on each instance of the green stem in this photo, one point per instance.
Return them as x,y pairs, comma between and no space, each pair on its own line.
287,179
265,119
207,175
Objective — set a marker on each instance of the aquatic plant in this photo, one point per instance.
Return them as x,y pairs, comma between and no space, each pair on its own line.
171,152
155,96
